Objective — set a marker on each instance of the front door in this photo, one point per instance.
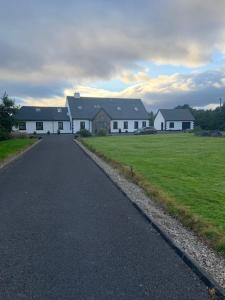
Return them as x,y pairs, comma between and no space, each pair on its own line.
162,126
186,125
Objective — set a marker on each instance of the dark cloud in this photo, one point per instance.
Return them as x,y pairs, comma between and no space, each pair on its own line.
23,89
204,89
58,41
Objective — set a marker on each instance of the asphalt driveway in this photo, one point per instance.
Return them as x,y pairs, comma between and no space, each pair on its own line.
66,232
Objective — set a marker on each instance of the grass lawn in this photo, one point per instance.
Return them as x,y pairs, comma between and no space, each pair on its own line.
184,172
11,147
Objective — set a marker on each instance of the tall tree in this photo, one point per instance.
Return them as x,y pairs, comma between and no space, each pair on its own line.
7,113
151,117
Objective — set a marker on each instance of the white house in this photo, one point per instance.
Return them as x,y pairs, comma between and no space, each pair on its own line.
174,119
43,119
112,114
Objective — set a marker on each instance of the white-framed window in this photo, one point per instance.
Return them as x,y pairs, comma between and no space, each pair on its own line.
22,125
143,124
135,124
82,125
115,125
171,125
60,125
39,125
125,125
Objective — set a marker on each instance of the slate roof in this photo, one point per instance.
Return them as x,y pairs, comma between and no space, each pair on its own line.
177,114
35,113
86,108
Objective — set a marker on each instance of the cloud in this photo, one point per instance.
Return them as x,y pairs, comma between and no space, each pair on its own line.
197,89
47,47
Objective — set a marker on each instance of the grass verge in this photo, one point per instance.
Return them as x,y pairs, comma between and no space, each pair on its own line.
12,147
184,173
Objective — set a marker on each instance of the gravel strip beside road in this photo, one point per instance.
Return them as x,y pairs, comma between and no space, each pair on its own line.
208,259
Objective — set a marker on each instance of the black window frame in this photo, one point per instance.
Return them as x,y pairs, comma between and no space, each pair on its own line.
136,124
144,124
115,125
41,127
22,125
125,125
82,125
59,125
171,125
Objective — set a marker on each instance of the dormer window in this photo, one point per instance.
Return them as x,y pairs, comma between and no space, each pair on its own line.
118,108
59,110
136,108
38,109
96,106
79,107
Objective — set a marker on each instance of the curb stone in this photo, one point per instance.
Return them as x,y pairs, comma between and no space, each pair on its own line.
215,291
18,155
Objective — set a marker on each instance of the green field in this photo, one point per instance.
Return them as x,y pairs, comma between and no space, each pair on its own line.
185,173
9,148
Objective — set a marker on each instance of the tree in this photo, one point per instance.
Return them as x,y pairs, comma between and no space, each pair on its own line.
7,113
151,118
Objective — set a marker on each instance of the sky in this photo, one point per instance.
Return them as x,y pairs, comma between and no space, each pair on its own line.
166,52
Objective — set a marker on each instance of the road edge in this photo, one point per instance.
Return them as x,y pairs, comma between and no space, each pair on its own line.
214,289
12,158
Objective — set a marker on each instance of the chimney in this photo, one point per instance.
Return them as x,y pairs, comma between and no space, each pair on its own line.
77,95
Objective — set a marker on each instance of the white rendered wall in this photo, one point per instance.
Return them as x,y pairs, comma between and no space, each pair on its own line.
130,125
178,125
76,125
51,126
158,120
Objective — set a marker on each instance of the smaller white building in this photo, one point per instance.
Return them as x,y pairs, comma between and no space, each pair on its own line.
41,120
174,120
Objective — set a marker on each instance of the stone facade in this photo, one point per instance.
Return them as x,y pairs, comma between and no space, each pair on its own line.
101,121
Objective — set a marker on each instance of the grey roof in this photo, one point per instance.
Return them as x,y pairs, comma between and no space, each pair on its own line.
117,108
177,114
37,113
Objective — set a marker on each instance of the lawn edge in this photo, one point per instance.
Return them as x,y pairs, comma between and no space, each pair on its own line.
20,153
213,286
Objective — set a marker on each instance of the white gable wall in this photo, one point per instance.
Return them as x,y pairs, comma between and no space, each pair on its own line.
158,120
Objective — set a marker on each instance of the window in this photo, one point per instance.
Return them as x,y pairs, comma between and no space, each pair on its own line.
22,125
82,125
125,125
143,124
115,125
39,125
171,124
60,125
135,124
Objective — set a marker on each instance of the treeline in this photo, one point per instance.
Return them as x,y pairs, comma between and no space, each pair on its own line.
205,119
208,119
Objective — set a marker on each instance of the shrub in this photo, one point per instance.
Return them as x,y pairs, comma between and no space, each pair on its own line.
18,135
216,133
4,134
102,132
34,132
48,132
84,133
